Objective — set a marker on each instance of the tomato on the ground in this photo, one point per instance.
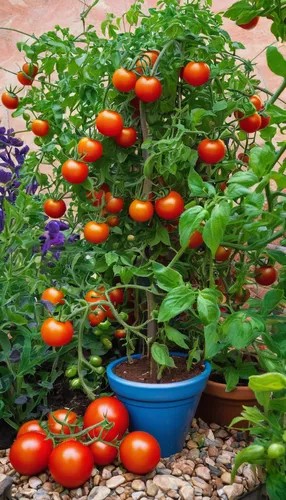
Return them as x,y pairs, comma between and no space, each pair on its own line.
139,452
55,208
113,410
148,88
196,240
71,463
103,454
126,138
40,127
30,453
109,123
113,205
96,232
74,172
196,73
170,207
10,100
251,123
90,150
53,295
251,24
120,334
124,80
211,151
141,211
65,416
222,254
146,60
113,221
31,426
56,333
265,275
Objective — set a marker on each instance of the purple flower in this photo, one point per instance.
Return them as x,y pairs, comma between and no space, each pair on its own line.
32,187
5,176
2,217
73,237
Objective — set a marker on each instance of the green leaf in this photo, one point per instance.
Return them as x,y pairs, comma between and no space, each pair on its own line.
261,158
247,178
231,378
270,300
160,354
198,187
280,257
208,306
220,106
5,383
190,220
111,258
267,382
212,345
178,300
278,115
215,227
177,337
235,191
276,61
237,323
16,319
276,485
252,455
167,278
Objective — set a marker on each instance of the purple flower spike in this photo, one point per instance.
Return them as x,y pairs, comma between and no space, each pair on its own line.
5,176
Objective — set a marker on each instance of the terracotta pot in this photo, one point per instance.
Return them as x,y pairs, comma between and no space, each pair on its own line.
221,407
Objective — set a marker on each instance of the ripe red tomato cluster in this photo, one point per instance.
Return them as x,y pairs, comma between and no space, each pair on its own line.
71,461
101,312
255,122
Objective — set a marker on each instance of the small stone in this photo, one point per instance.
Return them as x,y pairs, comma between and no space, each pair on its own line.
172,494
215,427
120,490
209,461
43,477
94,472
226,478
137,494
96,480
106,474
164,472
115,481
129,477
194,453
176,472
48,486
203,472
99,493
34,482
210,435
213,451
191,444
221,433
223,460
187,492
233,491
152,489
41,496
166,483
215,470
138,485
250,477
202,485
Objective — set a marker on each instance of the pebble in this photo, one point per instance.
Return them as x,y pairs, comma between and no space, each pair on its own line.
204,473
233,491
34,482
187,493
213,451
166,483
115,481
226,478
99,493
106,473
152,489
138,485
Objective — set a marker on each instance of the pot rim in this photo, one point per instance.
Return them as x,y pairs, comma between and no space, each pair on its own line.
154,387
218,389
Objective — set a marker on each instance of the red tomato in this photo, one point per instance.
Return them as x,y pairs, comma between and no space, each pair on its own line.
196,73
251,123
117,296
139,452
170,207
55,208
113,410
30,69
103,454
65,416
220,285
89,149
141,211
265,275
96,232
31,426
97,317
148,88
211,151
97,195
124,80
74,172
113,205
256,101
56,333
95,296
30,453
109,123
243,157
223,186
265,121
120,334
222,254
251,24
196,240
242,296
24,80
147,60
71,463
113,221
127,137
40,127
53,295
10,100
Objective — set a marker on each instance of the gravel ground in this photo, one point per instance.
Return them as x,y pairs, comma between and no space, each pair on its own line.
200,472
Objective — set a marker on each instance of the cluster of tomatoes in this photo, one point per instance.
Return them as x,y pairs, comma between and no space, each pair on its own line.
254,122
70,448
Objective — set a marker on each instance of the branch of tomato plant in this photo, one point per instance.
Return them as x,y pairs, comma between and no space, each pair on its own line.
268,93
21,32
261,244
90,394
278,92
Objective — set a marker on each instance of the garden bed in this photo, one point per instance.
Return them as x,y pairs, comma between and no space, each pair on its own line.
200,471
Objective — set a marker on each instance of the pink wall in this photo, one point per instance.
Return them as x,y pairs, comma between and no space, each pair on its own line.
42,15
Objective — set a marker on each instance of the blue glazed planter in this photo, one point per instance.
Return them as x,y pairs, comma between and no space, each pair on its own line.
163,410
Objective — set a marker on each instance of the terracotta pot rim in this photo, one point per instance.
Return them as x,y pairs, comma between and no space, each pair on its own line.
217,389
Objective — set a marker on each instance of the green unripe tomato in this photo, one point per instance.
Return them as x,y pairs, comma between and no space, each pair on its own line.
115,245
276,450
106,342
284,436
100,370
104,325
26,116
75,383
95,360
123,315
71,371
97,332
130,237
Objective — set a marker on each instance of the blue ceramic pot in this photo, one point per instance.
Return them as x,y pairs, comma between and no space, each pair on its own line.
163,410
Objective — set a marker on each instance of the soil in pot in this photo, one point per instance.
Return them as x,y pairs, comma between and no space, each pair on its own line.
138,370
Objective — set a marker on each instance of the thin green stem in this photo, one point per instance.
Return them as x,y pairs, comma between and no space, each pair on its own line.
161,55
21,32
90,394
278,92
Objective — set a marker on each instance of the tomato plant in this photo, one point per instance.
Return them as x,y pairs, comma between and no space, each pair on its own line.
170,207
148,88
124,80
74,171
141,211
